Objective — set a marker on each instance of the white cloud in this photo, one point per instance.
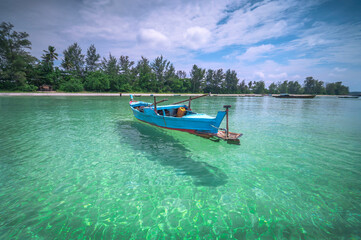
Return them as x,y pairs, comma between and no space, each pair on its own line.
259,75
254,53
296,77
278,76
196,37
153,38
255,23
337,69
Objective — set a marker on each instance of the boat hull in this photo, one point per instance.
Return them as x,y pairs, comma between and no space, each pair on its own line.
296,96
231,138
349,97
192,125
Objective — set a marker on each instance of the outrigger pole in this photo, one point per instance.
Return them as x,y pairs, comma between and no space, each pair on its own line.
190,99
155,103
226,107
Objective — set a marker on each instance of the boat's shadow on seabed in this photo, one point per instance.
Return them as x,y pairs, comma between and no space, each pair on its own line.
168,151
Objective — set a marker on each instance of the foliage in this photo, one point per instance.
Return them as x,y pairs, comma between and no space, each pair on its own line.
110,66
71,84
28,88
231,81
48,58
283,87
96,81
259,87
14,57
73,59
92,58
336,89
313,86
273,88
197,78
243,88
294,87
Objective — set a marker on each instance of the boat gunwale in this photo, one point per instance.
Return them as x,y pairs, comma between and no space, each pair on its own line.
206,117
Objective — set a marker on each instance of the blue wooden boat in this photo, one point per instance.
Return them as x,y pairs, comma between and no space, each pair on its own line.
180,117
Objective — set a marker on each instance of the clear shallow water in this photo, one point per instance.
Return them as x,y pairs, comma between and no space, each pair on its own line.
83,167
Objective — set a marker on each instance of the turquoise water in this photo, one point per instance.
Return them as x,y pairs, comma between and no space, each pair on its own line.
84,168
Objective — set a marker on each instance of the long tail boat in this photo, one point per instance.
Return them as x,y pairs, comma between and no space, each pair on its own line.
180,117
285,95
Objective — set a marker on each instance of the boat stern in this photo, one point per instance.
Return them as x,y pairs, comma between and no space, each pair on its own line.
220,117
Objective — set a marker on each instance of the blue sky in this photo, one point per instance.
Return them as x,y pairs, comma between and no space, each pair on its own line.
262,40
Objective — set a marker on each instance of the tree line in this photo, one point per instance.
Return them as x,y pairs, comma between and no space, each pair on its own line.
19,70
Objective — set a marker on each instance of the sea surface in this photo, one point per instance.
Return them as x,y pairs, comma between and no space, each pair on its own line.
85,168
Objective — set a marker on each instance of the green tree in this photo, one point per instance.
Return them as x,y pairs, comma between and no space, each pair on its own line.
250,86
243,88
313,86
294,87
71,84
127,72
283,87
45,70
273,88
230,81
125,65
49,57
330,88
111,67
73,59
14,57
96,81
146,80
169,77
341,89
92,59
197,78
187,83
319,88
164,72
181,74
176,85
259,87
54,78
218,81
309,85
209,82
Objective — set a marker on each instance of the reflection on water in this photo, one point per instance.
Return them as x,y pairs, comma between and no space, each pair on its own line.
165,149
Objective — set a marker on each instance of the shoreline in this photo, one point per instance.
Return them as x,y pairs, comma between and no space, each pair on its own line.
52,94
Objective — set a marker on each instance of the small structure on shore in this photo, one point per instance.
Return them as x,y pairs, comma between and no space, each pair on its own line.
45,88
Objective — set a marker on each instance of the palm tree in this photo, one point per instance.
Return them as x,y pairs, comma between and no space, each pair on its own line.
50,56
